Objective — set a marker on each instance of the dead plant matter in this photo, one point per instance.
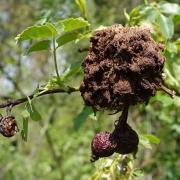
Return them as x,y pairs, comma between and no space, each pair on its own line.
123,139
8,126
102,145
123,65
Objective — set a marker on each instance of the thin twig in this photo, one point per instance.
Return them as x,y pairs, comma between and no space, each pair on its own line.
171,93
15,102
177,92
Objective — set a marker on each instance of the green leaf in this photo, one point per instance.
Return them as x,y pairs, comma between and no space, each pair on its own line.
25,114
153,139
169,8
171,47
71,70
176,127
134,12
34,114
67,38
171,77
145,142
82,116
86,35
24,131
97,175
82,6
39,46
176,19
74,24
93,116
164,99
166,26
53,83
126,14
177,42
52,28
37,32
149,13
137,173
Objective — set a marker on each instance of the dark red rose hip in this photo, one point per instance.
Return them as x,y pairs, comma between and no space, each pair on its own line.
8,126
127,140
102,145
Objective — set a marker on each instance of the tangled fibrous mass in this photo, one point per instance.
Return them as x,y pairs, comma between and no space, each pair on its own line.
123,66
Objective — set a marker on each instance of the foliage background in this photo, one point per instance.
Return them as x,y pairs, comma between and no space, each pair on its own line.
55,148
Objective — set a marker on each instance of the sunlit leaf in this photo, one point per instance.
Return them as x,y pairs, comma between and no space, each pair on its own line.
169,8
24,131
82,6
39,46
145,142
176,19
25,114
82,116
137,173
126,14
171,77
152,138
171,47
150,14
93,117
176,127
74,24
97,175
164,99
55,82
34,114
178,44
37,32
67,38
166,26
53,29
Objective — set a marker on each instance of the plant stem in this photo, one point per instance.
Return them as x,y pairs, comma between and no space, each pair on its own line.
14,102
122,121
55,59
171,93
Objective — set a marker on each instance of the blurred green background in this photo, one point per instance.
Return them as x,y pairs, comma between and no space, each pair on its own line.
55,148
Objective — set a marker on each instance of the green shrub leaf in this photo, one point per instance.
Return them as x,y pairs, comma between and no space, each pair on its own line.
82,116
153,139
34,114
74,24
169,8
67,38
166,26
37,32
39,46
24,131
82,6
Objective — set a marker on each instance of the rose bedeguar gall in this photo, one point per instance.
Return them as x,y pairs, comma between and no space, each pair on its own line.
123,65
